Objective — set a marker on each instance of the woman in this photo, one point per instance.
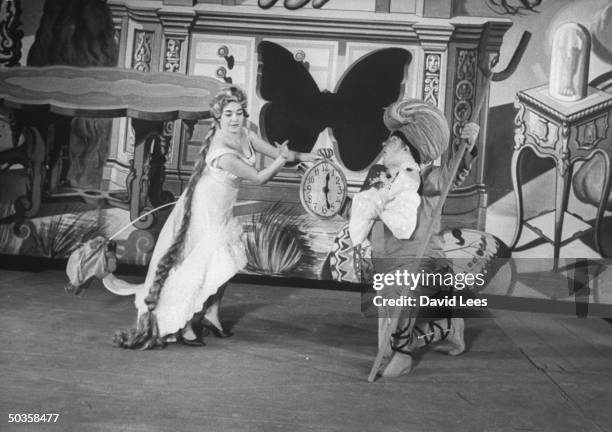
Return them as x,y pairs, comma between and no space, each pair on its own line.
200,247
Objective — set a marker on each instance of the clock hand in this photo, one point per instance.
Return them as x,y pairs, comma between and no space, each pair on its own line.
326,190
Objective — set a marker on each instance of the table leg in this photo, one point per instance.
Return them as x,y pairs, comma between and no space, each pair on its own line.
603,202
9,158
27,206
561,196
32,155
58,144
157,195
518,194
138,180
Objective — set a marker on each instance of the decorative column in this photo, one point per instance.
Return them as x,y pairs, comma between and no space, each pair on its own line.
117,163
120,24
466,75
146,38
473,50
175,49
175,40
434,42
10,54
138,29
10,34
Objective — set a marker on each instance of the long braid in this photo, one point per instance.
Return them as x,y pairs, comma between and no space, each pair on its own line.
174,254
146,333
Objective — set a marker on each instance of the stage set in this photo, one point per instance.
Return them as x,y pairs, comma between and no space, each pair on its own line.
104,109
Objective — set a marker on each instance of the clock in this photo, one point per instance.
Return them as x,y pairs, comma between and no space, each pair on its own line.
323,189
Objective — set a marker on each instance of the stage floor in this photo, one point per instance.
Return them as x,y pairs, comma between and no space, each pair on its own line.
298,362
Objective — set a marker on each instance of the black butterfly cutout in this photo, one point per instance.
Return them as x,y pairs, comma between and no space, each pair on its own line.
292,4
296,110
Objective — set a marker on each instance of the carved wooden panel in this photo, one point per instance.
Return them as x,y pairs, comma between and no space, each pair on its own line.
172,54
141,58
431,81
592,132
464,92
10,34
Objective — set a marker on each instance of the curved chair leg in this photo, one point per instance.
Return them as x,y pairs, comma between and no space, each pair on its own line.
518,194
603,202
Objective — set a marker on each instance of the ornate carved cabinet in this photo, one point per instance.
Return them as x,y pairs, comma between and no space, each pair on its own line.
222,40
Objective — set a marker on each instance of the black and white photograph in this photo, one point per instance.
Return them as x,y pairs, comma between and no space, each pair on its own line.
306,215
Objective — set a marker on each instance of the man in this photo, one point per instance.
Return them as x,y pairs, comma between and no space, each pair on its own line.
404,196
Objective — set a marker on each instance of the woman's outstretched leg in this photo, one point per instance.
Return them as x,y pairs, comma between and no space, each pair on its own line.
211,319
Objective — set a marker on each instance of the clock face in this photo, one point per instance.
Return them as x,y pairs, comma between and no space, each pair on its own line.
323,189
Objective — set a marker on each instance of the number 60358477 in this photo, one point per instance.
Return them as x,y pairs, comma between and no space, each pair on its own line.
33,418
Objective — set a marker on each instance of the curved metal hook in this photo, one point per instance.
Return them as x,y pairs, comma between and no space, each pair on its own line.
514,60
486,68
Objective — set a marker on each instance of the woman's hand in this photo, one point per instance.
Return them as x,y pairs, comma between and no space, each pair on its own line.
284,152
470,134
308,157
314,156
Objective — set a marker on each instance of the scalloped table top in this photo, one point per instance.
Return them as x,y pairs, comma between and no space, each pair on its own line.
105,92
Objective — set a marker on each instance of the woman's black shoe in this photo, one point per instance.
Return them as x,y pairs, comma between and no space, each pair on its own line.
190,342
215,330
198,330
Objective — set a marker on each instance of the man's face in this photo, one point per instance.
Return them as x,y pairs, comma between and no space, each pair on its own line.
396,153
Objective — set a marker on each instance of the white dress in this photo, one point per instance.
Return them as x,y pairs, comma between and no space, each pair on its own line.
213,251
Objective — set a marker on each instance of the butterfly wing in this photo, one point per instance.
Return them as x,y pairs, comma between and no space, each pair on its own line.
370,85
292,111
476,252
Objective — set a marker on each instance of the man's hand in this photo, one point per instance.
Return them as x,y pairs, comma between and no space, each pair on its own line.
470,134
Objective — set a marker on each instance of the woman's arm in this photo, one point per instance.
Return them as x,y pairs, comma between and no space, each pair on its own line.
236,166
262,146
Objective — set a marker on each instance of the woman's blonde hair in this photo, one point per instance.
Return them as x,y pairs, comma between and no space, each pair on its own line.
226,95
